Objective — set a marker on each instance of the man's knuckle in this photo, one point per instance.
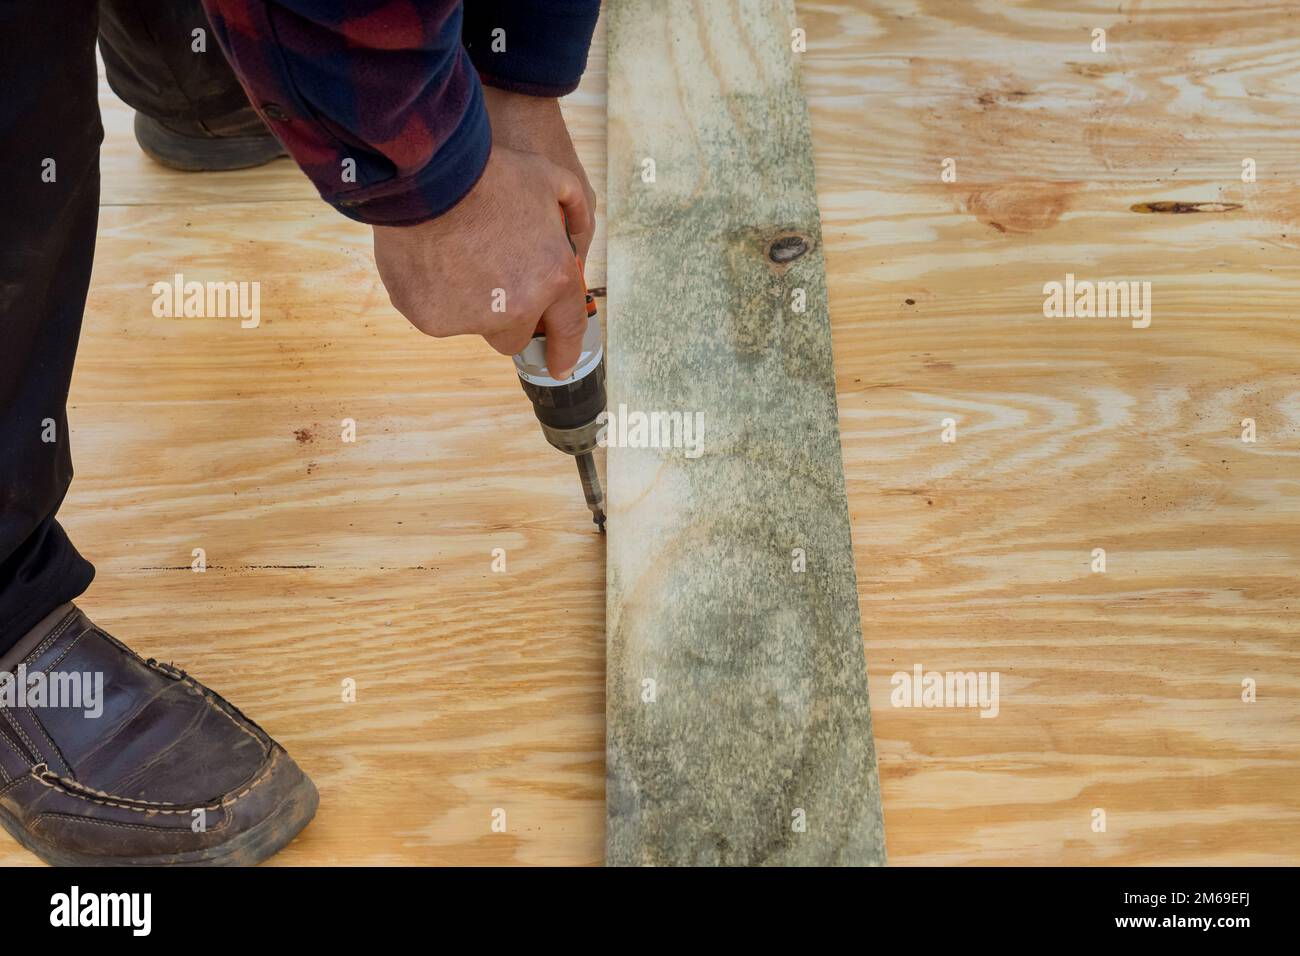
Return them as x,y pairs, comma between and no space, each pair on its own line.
555,280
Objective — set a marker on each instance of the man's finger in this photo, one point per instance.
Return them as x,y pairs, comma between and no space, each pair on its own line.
565,323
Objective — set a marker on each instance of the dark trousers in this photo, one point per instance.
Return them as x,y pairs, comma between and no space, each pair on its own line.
50,134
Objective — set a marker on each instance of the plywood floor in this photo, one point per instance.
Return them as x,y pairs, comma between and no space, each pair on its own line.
477,690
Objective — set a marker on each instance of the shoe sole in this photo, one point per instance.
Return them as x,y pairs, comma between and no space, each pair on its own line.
193,154
251,847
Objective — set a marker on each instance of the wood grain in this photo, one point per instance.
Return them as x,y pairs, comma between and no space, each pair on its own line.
1119,691
1012,91
731,587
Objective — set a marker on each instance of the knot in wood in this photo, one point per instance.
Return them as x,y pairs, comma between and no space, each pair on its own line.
787,249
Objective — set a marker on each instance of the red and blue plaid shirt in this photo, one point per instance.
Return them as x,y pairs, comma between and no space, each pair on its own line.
379,101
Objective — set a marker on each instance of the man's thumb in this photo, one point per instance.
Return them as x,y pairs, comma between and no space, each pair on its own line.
566,324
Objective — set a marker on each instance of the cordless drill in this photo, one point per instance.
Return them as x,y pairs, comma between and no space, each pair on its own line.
568,409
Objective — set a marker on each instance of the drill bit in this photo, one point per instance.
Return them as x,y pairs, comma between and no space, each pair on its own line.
591,488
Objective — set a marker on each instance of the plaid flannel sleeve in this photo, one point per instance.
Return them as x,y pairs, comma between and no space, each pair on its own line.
376,100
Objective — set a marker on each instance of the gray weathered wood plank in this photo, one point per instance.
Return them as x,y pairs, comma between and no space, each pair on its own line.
739,728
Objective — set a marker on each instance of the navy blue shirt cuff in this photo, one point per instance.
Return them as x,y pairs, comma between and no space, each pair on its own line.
537,47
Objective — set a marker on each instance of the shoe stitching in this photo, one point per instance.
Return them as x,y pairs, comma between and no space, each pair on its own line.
67,649
27,758
107,823
13,784
43,774
212,701
52,636
209,696
54,748
4,712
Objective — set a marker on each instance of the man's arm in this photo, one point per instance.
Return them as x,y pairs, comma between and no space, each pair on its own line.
378,102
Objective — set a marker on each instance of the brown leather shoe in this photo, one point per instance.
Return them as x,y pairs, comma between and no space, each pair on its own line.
165,773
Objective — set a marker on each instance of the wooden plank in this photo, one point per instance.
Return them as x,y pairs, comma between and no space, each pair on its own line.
738,725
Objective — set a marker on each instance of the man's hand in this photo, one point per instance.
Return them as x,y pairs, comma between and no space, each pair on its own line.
504,243
534,124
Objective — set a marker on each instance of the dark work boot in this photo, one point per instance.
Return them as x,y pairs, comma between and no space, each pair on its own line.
237,141
156,769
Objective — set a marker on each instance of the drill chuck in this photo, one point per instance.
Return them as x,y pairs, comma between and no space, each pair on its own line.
567,408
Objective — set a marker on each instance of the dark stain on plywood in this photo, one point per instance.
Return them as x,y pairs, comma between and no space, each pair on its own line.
1180,208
